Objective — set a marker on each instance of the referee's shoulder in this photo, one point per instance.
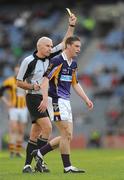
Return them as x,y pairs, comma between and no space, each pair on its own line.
28,59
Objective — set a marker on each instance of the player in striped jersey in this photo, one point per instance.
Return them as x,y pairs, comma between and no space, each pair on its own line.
17,111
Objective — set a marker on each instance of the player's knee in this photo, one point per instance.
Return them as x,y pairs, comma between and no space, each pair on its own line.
68,135
34,136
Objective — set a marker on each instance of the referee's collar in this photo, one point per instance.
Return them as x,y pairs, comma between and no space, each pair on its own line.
36,57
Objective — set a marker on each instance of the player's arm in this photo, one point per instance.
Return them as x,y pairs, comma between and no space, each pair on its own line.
3,89
79,90
6,101
6,85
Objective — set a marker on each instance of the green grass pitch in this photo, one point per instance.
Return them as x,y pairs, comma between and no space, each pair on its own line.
99,165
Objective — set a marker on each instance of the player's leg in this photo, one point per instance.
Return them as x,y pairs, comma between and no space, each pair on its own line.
65,129
12,131
50,146
65,126
39,153
22,120
12,137
46,127
19,139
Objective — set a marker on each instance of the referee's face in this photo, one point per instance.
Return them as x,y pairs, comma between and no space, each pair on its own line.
45,47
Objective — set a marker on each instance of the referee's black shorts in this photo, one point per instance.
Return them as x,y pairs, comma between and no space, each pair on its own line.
33,101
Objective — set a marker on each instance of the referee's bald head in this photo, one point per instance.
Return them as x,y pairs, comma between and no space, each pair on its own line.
43,40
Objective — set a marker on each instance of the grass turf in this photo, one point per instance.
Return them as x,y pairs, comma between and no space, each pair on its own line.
99,165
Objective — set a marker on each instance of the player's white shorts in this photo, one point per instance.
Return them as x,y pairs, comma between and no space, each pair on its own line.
18,114
60,110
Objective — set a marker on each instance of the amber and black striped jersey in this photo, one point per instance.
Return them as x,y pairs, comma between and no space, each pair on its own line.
16,95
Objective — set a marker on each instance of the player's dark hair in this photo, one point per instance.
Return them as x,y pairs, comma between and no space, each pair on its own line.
71,40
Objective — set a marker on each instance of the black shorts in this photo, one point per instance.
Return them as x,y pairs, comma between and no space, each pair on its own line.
33,101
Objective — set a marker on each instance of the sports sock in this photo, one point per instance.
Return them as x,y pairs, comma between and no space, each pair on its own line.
41,142
66,160
45,149
18,147
32,145
12,143
11,148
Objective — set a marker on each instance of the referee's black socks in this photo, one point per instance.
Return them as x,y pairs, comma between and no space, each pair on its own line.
32,145
41,142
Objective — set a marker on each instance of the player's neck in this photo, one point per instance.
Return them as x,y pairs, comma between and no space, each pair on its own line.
68,55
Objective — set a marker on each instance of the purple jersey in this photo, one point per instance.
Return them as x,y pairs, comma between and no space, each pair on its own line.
61,75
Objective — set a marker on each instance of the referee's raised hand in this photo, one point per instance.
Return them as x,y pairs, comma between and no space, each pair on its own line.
72,20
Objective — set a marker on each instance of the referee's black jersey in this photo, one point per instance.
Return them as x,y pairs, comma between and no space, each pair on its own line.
33,68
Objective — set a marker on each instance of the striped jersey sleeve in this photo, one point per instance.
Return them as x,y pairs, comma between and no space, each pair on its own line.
74,77
54,67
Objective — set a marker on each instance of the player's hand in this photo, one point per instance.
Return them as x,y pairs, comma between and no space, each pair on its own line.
89,103
72,19
43,105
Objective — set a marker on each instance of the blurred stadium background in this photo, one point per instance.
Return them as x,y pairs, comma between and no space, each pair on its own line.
101,62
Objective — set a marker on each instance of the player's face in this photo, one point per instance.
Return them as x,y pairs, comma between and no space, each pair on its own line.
75,48
46,47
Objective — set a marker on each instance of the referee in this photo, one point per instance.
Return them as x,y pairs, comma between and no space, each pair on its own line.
30,77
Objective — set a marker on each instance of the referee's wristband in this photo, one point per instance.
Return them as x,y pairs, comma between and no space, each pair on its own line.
71,25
